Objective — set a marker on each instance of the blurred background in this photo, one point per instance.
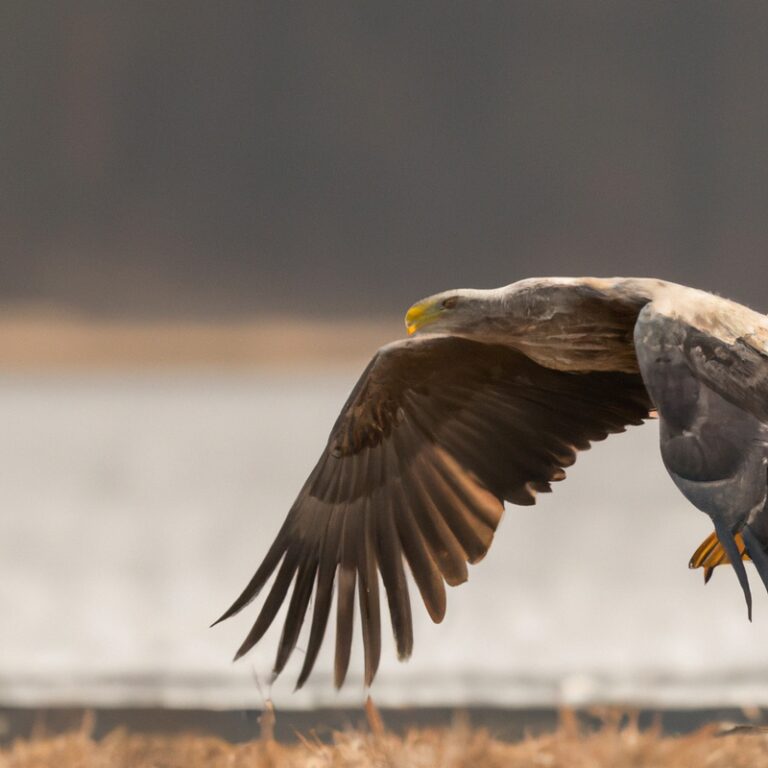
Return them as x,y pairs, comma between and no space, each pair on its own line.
213,214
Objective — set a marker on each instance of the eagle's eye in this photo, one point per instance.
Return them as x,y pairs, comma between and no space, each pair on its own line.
450,302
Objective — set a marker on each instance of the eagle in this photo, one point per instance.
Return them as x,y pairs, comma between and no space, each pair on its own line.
488,400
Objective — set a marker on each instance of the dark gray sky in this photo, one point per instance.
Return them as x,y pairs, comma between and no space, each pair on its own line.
216,158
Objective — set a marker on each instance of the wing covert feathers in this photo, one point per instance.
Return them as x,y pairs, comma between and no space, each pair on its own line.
436,434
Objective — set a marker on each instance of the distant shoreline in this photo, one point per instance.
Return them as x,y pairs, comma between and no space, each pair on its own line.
29,342
241,725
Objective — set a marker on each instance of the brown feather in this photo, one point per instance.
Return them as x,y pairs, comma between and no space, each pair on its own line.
345,606
368,593
390,558
329,558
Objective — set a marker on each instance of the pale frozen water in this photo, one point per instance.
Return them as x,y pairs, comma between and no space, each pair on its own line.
135,507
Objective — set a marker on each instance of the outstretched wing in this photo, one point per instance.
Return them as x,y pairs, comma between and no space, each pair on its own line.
436,434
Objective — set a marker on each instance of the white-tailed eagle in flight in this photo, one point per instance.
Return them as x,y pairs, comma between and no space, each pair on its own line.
487,401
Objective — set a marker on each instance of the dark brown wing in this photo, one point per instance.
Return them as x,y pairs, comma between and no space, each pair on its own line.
436,434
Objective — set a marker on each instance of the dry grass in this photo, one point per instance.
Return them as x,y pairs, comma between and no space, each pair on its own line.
618,744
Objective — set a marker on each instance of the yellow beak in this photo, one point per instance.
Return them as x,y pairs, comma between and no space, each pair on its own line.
419,315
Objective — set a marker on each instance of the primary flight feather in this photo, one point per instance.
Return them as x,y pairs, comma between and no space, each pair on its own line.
489,400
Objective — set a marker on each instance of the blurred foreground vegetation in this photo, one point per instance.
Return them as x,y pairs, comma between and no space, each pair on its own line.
618,743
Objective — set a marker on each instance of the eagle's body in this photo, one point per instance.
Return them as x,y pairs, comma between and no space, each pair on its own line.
713,449
491,404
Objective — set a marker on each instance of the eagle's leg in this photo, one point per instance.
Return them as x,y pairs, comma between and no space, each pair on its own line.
756,552
726,537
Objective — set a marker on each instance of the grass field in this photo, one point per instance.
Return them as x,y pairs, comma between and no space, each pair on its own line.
618,743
